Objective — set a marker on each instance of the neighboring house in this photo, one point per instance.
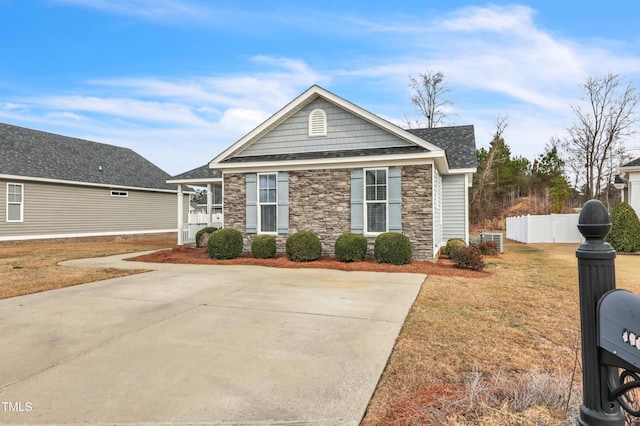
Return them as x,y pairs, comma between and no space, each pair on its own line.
326,165
54,186
628,181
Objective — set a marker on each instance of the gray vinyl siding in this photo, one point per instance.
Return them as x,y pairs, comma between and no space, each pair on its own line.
344,129
453,207
53,209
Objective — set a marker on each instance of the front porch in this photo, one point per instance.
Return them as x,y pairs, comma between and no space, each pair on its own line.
199,215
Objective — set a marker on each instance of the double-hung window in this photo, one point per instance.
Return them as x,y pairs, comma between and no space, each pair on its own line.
376,197
267,203
15,202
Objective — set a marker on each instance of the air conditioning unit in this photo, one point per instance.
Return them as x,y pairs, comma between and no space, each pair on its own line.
495,237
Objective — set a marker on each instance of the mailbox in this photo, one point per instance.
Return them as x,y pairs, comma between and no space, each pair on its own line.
619,326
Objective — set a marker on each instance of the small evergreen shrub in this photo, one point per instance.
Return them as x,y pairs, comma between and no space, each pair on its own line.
225,243
201,239
351,247
393,247
488,248
625,229
263,246
468,258
303,246
453,245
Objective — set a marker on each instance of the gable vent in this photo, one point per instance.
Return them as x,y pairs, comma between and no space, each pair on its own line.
317,123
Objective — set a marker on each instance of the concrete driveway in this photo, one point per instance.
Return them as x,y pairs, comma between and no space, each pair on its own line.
201,344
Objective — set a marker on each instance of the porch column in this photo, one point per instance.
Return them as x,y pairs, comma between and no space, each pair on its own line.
180,214
209,204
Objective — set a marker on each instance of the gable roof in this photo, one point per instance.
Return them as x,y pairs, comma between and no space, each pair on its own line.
47,156
457,141
202,173
634,163
314,92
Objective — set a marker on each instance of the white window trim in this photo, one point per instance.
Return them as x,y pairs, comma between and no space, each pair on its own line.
21,185
323,117
366,202
260,204
119,194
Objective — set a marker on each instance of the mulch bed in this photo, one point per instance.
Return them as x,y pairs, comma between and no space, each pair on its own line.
194,255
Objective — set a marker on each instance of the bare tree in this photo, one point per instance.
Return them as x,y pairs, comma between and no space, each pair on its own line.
596,138
502,121
430,99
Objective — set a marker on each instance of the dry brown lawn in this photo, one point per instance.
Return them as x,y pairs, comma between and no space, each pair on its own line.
493,350
32,266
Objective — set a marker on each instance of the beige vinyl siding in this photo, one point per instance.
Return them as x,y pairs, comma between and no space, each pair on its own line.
344,129
454,214
52,209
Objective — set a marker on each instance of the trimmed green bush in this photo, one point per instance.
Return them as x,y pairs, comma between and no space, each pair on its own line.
303,246
468,258
392,247
200,242
453,245
263,246
351,247
625,229
225,243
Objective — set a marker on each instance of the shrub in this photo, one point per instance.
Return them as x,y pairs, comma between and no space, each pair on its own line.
488,248
453,245
351,247
468,258
303,246
225,243
263,246
393,247
625,229
201,239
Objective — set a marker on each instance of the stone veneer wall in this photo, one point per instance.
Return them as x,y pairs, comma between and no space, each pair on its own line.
417,209
320,201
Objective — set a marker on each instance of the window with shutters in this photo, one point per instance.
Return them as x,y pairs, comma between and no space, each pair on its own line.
267,203
15,202
376,200
317,123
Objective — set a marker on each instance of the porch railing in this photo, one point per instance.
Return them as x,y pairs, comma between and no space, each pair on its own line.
198,221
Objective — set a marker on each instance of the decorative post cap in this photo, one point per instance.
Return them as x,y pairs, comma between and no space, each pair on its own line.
594,221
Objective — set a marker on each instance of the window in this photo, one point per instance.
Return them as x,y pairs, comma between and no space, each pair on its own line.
15,202
376,200
317,123
119,193
267,203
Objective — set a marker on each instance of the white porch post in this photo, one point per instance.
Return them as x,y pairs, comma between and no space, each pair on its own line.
180,214
209,204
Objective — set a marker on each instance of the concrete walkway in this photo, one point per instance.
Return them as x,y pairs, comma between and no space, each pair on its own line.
201,344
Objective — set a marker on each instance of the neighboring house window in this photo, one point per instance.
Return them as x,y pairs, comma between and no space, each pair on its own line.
119,193
317,123
15,202
267,203
376,200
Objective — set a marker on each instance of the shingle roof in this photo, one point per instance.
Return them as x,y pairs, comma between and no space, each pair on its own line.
458,142
32,153
202,172
634,163
327,154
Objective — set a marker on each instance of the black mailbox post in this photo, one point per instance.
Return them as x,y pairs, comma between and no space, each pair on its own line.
596,276
610,326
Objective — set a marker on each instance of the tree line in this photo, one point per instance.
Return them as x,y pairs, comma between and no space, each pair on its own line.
572,169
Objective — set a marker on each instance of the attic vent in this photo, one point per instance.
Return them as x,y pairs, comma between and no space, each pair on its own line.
317,123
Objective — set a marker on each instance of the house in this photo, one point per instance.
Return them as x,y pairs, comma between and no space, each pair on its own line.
53,186
326,165
628,181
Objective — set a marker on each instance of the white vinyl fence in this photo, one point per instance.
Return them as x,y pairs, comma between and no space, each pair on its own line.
198,221
551,228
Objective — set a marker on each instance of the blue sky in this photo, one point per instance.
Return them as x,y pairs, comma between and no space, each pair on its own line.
178,81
